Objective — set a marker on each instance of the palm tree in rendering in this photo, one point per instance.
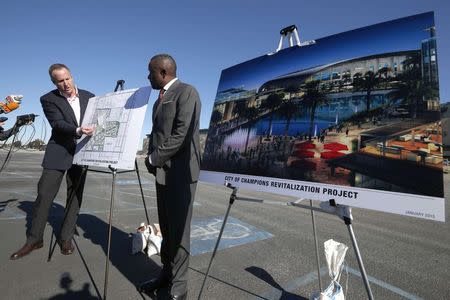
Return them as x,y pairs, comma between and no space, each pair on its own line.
271,103
366,84
216,117
238,109
410,86
251,114
412,90
315,95
289,110
383,74
291,89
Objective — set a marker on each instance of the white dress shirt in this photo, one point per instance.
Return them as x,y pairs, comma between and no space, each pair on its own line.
74,103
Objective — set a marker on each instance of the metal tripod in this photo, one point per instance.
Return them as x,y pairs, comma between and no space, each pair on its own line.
114,172
343,212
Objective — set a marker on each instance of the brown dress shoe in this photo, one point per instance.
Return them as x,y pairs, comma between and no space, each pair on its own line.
66,247
26,249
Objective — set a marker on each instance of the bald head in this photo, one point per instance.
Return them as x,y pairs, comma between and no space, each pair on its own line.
162,69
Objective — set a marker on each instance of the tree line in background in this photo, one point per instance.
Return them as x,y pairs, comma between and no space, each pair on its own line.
36,144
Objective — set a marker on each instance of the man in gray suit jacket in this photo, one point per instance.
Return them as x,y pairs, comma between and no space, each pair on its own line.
174,159
64,108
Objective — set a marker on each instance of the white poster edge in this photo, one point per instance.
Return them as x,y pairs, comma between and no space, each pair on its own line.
118,166
413,205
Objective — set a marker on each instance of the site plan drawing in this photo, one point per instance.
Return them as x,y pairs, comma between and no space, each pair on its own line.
118,118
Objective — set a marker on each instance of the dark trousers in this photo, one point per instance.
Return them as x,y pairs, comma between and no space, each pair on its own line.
48,187
175,213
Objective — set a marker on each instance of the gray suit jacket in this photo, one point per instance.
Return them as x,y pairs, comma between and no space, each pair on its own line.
174,142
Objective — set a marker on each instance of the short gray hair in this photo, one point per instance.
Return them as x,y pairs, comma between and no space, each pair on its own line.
56,67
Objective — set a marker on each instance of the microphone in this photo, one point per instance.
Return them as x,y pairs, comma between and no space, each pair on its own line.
10,103
25,119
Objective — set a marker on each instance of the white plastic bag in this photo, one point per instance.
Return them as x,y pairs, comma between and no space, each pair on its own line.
147,239
335,255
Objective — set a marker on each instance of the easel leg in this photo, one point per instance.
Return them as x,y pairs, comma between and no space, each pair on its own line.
316,245
142,192
358,257
111,209
68,204
232,198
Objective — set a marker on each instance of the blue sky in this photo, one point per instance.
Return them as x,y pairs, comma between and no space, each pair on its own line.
394,36
103,41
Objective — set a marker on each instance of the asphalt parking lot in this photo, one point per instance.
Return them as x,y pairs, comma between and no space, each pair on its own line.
267,250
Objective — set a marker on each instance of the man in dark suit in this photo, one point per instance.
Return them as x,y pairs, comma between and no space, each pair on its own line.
6,134
64,108
174,159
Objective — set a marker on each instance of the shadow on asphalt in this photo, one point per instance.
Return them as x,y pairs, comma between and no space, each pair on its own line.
69,294
264,275
136,268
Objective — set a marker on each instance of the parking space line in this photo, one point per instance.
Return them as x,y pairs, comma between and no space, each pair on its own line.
94,196
387,286
304,280
135,188
26,194
18,174
19,217
126,193
120,211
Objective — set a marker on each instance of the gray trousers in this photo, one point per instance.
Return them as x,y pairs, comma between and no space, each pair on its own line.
48,187
175,213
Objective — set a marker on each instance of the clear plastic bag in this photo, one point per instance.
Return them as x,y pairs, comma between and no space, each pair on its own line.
335,256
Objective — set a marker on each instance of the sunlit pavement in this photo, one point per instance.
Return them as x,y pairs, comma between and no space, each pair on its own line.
404,257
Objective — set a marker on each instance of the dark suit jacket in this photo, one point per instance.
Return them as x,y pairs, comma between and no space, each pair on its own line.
5,134
61,146
174,142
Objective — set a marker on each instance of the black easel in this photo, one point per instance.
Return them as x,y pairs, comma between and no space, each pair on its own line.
114,172
330,207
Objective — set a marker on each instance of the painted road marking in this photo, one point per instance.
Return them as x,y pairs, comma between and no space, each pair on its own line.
18,174
22,215
152,197
135,194
133,187
131,181
386,285
204,234
304,280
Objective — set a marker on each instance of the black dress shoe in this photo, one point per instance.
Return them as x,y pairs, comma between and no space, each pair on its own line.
178,297
66,247
25,250
149,287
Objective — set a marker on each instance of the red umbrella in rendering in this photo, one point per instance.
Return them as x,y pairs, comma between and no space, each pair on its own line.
305,145
331,154
334,146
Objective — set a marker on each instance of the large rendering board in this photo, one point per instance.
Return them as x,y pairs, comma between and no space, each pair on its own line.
353,117
118,118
